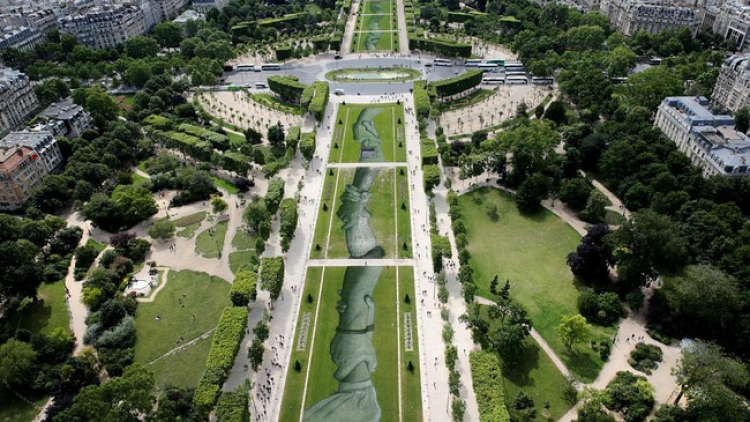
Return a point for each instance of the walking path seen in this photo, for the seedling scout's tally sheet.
(351, 24)
(366, 165)
(403, 37)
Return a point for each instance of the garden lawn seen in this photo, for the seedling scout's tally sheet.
(241, 260)
(139, 180)
(376, 6)
(189, 224)
(242, 240)
(14, 409)
(410, 384)
(385, 42)
(206, 244)
(531, 252)
(469, 100)
(223, 184)
(375, 22)
(386, 123)
(403, 213)
(96, 245)
(244, 251)
(236, 140)
(277, 104)
(44, 315)
(183, 368)
(205, 297)
(323, 224)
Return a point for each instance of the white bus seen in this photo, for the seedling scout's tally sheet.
(488, 67)
(514, 73)
(270, 67)
(514, 68)
(539, 80)
(516, 80)
(493, 80)
(245, 67)
(442, 62)
(472, 62)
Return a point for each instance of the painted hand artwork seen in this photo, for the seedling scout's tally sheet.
(352, 349)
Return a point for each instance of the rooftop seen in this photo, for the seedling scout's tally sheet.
(63, 110)
(727, 148)
(695, 111)
(27, 139)
(190, 15)
(11, 157)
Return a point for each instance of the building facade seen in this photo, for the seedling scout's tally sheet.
(652, 16)
(105, 27)
(710, 141)
(203, 6)
(43, 20)
(25, 160)
(20, 38)
(17, 99)
(733, 23)
(732, 89)
(63, 119)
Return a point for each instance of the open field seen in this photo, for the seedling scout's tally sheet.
(209, 242)
(183, 368)
(320, 382)
(346, 150)
(188, 306)
(530, 251)
(46, 314)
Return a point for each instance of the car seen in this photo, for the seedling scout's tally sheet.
(428, 65)
(338, 92)
(338, 57)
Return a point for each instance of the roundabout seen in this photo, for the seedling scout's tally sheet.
(381, 74)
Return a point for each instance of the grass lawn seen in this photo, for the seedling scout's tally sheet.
(223, 184)
(537, 376)
(386, 123)
(376, 6)
(375, 22)
(469, 100)
(403, 213)
(206, 297)
(235, 140)
(142, 166)
(241, 260)
(530, 251)
(44, 315)
(243, 241)
(410, 384)
(189, 224)
(206, 244)
(385, 209)
(276, 103)
(14, 409)
(330, 198)
(185, 367)
(386, 42)
(96, 245)
(321, 383)
(139, 180)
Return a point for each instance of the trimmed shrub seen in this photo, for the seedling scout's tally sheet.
(421, 99)
(243, 288)
(431, 174)
(319, 100)
(442, 47)
(429, 152)
(288, 216)
(307, 145)
(272, 275)
(488, 387)
(233, 406)
(274, 195)
(457, 85)
(287, 87)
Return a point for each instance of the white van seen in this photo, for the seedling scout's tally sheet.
(338, 92)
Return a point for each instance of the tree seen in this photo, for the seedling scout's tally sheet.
(16, 362)
(630, 394)
(255, 354)
(595, 210)
(573, 329)
(96, 101)
(276, 136)
(141, 47)
(650, 87)
(556, 112)
(138, 73)
(253, 136)
(620, 60)
(531, 192)
(162, 229)
(218, 205)
(515, 327)
(575, 192)
(168, 34)
(742, 119)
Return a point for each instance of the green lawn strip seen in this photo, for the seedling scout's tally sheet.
(321, 383)
(276, 103)
(183, 368)
(469, 100)
(221, 183)
(530, 251)
(235, 139)
(205, 297)
(15, 409)
(382, 220)
(324, 217)
(377, 6)
(295, 381)
(240, 260)
(142, 166)
(403, 213)
(343, 125)
(349, 151)
(209, 246)
(410, 384)
(400, 154)
(385, 42)
(243, 241)
(336, 242)
(49, 312)
(381, 22)
(191, 219)
(96, 245)
(535, 375)
(139, 180)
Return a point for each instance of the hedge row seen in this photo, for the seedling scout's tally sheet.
(274, 195)
(321, 43)
(233, 406)
(457, 85)
(289, 88)
(307, 145)
(292, 137)
(283, 52)
(158, 122)
(290, 20)
(431, 175)
(224, 348)
(429, 152)
(187, 144)
(439, 46)
(421, 99)
(219, 141)
(441, 248)
(319, 100)
(272, 275)
(232, 161)
(459, 229)
(243, 288)
(488, 387)
(288, 216)
(463, 17)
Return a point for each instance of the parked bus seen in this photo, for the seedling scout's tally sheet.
(442, 62)
(514, 72)
(539, 80)
(266, 67)
(515, 80)
(493, 80)
(245, 67)
(514, 68)
(489, 68)
(472, 63)
(499, 62)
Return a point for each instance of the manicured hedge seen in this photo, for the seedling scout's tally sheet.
(243, 288)
(232, 161)
(459, 84)
(288, 216)
(431, 174)
(185, 143)
(287, 87)
(233, 406)
(321, 43)
(274, 195)
(441, 248)
(292, 137)
(158, 122)
(441, 47)
(307, 145)
(283, 53)
(488, 387)
(319, 100)
(463, 17)
(421, 99)
(336, 40)
(429, 152)
(307, 95)
(224, 347)
(286, 21)
(217, 140)
(272, 275)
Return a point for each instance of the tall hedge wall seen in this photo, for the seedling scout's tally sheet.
(243, 288)
(319, 100)
(289, 217)
(272, 275)
(488, 386)
(274, 195)
(233, 406)
(429, 151)
(439, 46)
(289, 88)
(307, 145)
(421, 99)
(459, 84)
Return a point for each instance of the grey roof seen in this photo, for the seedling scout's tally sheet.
(29, 139)
(725, 145)
(694, 110)
(63, 110)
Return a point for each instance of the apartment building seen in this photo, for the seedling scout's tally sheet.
(105, 26)
(17, 99)
(652, 16)
(64, 119)
(20, 38)
(710, 141)
(26, 158)
(203, 6)
(732, 89)
(733, 22)
(43, 20)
